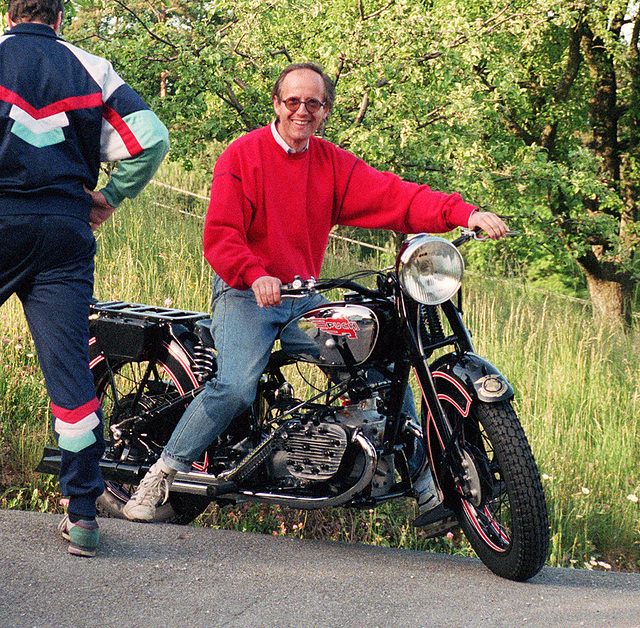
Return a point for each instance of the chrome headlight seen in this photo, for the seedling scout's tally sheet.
(430, 269)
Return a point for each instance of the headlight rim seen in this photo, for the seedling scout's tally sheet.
(409, 249)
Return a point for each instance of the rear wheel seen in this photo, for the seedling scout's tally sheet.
(119, 390)
(500, 499)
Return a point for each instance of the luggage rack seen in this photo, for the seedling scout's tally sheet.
(149, 313)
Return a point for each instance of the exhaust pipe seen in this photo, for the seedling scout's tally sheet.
(199, 483)
(111, 470)
(194, 482)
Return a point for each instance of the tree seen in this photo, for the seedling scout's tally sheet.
(530, 106)
(565, 87)
(176, 55)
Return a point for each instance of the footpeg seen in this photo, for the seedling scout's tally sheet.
(223, 488)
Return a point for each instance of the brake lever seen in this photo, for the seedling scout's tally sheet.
(477, 235)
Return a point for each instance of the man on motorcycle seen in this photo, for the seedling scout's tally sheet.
(276, 194)
(62, 111)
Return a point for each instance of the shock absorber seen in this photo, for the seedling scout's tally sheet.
(433, 323)
(204, 362)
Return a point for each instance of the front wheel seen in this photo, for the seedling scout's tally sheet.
(499, 495)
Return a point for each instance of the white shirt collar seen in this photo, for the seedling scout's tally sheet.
(278, 138)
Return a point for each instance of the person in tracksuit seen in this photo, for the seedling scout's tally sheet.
(63, 112)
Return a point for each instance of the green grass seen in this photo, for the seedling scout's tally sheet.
(577, 391)
(24, 421)
(578, 395)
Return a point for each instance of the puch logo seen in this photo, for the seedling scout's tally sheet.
(336, 326)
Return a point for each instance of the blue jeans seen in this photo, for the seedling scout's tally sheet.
(244, 335)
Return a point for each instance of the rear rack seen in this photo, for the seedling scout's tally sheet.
(147, 313)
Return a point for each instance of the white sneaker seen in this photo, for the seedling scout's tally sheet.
(152, 492)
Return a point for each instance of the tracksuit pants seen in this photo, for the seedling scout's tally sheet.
(48, 262)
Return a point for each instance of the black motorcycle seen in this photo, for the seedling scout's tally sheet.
(348, 440)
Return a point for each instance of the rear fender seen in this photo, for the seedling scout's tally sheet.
(170, 355)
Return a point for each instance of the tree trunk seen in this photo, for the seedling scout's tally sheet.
(610, 300)
(163, 83)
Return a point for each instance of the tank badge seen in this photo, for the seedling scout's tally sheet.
(336, 326)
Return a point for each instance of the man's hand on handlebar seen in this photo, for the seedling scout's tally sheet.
(267, 291)
(490, 223)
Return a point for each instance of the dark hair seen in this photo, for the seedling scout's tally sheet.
(329, 86)
(45, 11)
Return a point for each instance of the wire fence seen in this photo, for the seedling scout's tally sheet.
(335, 236)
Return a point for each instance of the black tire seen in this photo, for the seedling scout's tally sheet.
(508, 527)
(169, 380)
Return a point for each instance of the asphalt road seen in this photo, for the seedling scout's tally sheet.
(163, 576)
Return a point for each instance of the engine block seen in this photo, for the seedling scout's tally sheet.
(313, 452)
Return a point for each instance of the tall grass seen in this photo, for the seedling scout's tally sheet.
(24, 420)
(578, 395)
(150, 252)
(577, 390)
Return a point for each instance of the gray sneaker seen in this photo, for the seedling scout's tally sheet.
(436, 521)
(152, 492)
(426, 492)
(83, 536)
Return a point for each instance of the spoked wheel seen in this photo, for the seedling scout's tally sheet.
(502, 508)
(121, 397)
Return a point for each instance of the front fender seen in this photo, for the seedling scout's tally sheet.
(464, 378)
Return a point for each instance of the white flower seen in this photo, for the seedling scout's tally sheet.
(585, 490)
(633, 498)
(168, 302)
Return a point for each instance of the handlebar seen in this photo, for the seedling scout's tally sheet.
(300, 288)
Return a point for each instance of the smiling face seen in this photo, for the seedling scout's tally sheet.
(296, 127)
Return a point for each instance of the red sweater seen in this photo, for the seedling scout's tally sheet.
(271, 212)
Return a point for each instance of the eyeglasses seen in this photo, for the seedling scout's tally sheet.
(293, 104)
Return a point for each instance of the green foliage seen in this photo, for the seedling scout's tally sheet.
(386, 526)
(503, 103)
(40, 496)
(577, 390)
(24, 420)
